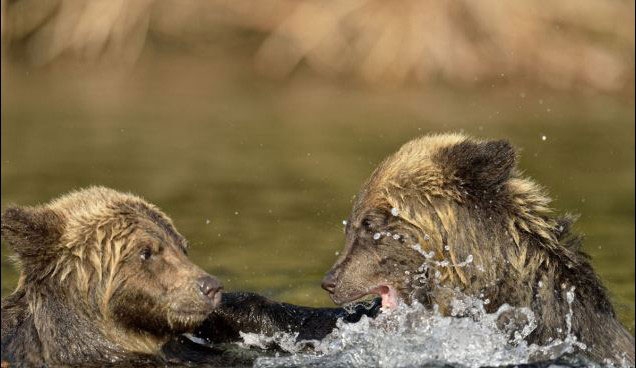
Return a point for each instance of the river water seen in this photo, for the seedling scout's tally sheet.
(259, 176)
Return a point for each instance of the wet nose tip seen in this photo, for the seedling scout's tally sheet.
(209, 285)
(329, 283)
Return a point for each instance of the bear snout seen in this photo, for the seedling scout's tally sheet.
(211, 288)
(329, 283)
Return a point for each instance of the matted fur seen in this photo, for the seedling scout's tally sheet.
(103, 278)
(458, 197)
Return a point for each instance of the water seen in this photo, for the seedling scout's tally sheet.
(413, 336)
(258, 176)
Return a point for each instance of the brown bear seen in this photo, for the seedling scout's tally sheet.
(105, 280)
(450, 216)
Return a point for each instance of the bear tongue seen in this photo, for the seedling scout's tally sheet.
(389, 296)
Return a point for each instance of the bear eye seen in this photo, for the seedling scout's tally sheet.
(145, 253)
(366, 224)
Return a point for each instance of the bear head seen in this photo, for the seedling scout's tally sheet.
(113, 259)
(445, 210)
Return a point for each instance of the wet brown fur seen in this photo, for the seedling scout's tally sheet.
(85, 294)
(457, 196)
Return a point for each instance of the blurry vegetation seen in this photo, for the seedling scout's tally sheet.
(564, 44)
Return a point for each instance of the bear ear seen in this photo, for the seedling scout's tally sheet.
(30, 232)
(481, 166)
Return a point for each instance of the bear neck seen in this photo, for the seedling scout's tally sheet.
(74, 334)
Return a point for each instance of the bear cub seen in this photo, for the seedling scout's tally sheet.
(449, 216)
(104, 278)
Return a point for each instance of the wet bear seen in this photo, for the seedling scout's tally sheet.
(105, 279)
(449, 216)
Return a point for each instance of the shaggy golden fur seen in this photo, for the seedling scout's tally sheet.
(448, 215)
(104, 277)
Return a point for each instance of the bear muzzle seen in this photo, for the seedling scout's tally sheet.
(211, 289)
(329, 283)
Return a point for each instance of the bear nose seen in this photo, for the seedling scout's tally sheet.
(329, 283)
(209, 286)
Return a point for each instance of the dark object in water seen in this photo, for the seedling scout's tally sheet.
(248, 312)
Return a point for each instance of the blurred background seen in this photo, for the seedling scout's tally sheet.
(253, 123)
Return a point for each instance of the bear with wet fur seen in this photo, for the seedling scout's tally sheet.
(448, 216)
(104, 278)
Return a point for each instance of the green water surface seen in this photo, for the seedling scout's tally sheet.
(259, 175)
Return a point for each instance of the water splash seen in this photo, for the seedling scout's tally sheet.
(412, 335)
(285, 341)
(568, 344)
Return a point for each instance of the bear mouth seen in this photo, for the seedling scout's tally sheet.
(198, 310)
(387, 292)
(214, 301)
(185, 319)
(191, 312)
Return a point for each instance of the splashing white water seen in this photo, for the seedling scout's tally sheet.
(285, 341)
(414, 336)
